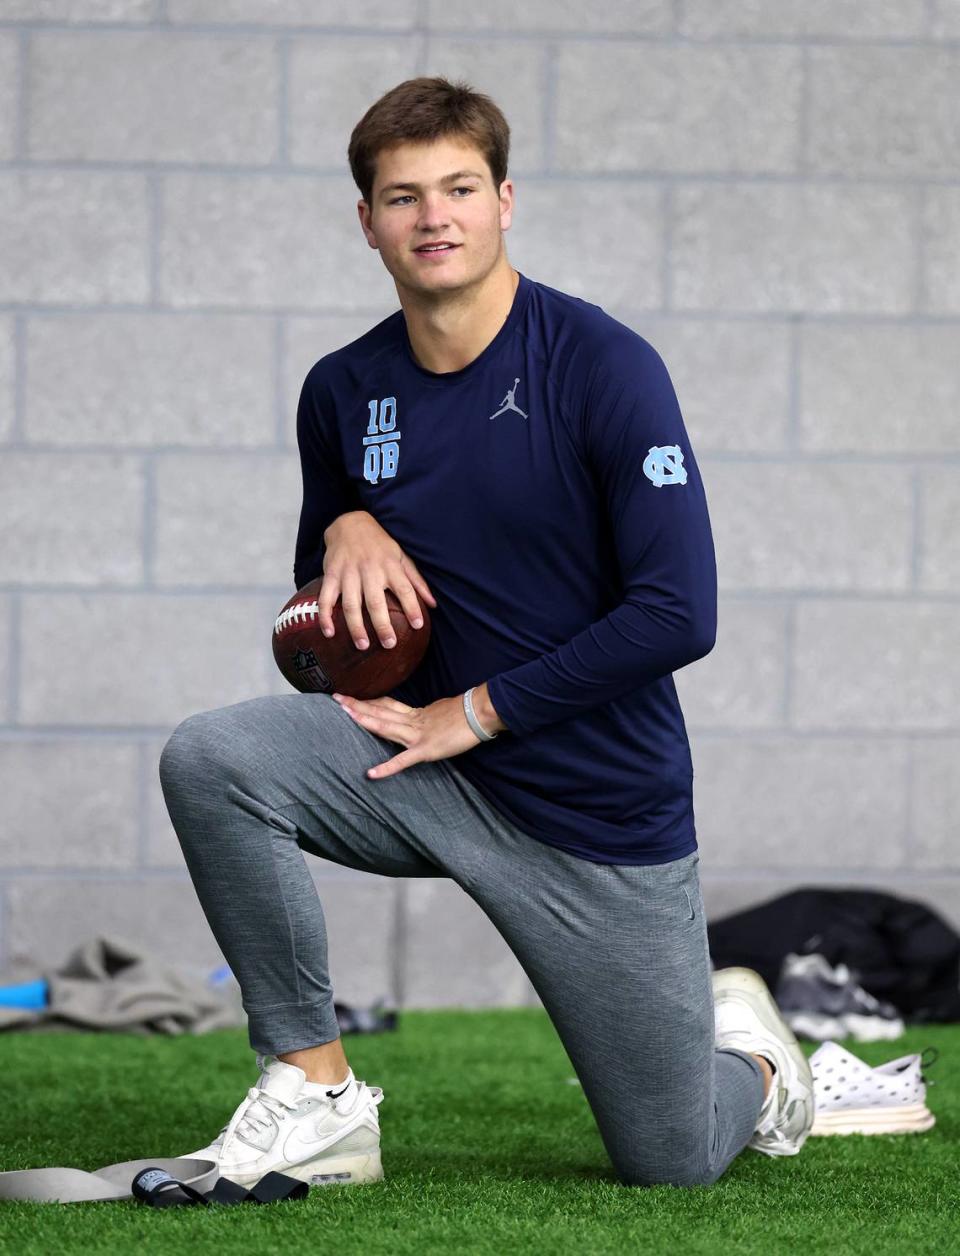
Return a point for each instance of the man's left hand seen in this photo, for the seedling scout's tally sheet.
(437, 731)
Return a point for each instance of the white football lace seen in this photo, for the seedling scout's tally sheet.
(253, 1120)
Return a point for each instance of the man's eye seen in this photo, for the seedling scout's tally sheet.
(397, 199)
(463, 189)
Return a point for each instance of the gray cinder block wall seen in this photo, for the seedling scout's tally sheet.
(768, 192)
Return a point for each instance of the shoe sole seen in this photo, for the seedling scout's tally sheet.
(323, 1171)
(820, 1026)
(908, 1119)
(749, 987)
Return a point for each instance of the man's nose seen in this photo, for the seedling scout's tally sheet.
(434, 211)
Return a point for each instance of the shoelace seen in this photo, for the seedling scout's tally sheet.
(253, 1121)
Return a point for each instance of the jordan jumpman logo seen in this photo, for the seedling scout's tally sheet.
(508, 402)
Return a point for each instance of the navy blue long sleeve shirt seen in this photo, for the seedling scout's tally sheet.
(549, 495)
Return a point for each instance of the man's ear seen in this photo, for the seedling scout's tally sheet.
(363, 211)
(506, 204)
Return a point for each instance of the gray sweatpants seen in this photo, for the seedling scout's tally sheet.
(617, 954)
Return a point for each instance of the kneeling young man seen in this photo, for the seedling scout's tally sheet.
(517, 458)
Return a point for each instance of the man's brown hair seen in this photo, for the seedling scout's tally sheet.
(424, 109)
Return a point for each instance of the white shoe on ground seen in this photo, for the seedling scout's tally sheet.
(321, 1135)
(747, 1018)
(853, 1098)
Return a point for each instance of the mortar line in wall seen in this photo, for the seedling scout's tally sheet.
(421, 28)
(143, 799)
(794, 339)
(283, 105)
(900, 460)
(668, 209)
(149, 520)
(279, 380)
(548, 116)
(23, 98)
(909, 832)
(155, 211)
(269, 30)
(398, 944)
(885, 597)
(917, 518)
(13, 657)
(123, 876)
(29, 733)
(803, 128)
(270, 170)
(18, 426)
(789, 648)
(381, 310)
(920, 294)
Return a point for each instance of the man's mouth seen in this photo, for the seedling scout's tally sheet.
(436, 248)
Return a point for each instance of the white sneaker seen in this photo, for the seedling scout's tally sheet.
(853, 1098)
(321, 1135)
(748, 1019)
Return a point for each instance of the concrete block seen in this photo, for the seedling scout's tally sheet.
(817, 248)
(47, 919)
(561, 236)
(6, 660)
(364, 14)
(841, 526)
(227, 519)
(73, 236)
(71, 519)
(360, 915)
(724, 895)
(940, 531)
(306, 340)
(935, 807)
(185, 98)
(740, 683)
(512, 74)
(151, 379)
(879, 389)
(9, 94)
(77, 10)
(333, 82)
(69, 803)
(884, 111)
(941, 248)
(619, 17)
(812, 803)
(892, 666)
(881, 19)
(732, 379)
(945, 19)
(8, 367)
(455, 955)
(698, 109)
(289, 242)
(148, 659)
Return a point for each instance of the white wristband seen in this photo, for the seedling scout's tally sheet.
(472, 718)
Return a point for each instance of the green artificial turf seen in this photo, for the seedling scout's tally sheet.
(486, 1148)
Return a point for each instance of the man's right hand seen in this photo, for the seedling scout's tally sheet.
(361, 561)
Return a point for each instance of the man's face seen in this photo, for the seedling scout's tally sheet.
(449, 197)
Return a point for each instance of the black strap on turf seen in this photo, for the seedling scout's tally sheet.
(277, 1186)
(227, 1192)
(155, 1187)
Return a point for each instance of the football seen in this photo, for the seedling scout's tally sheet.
(314, 663)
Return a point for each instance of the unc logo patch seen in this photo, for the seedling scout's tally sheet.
(664, 465)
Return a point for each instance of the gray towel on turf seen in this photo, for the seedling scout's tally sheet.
(107, 983)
